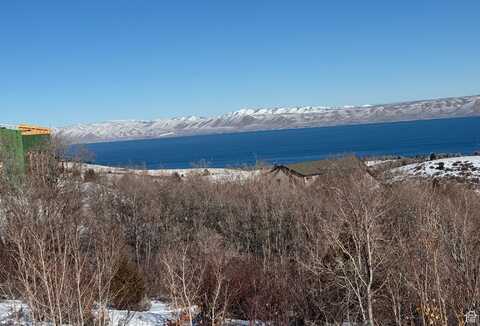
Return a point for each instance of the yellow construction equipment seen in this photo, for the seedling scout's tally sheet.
(28, 130)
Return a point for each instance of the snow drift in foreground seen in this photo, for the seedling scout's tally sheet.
(465, 167)
(13, 312)
(271, 119)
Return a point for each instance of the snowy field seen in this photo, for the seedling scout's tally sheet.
(212, 174)
(159, 314)
(465, 167)
(13, 312)
(377, 162)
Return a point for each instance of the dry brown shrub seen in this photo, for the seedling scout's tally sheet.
(253, 250)
(63, 259)
(90, 175)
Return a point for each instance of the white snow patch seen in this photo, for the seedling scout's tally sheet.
(14, 312)
(376, 162)
(467, 167)
(159, 314)
(212, 174)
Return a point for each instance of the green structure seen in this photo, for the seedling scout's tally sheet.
(12, 155)
(34, 142)
(14, 146)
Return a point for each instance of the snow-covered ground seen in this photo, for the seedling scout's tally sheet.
(377, 162)
(465, 167)
(13, 312)
(159, 314)
(212, 174)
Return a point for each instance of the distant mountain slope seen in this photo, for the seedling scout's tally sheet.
(275, 118)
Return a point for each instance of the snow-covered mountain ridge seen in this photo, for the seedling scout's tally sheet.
(272, 118)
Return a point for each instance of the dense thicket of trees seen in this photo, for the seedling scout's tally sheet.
(341, 249)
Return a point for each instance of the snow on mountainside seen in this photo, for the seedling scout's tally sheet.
(274, 118)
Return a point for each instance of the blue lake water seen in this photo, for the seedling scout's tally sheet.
(460, 135)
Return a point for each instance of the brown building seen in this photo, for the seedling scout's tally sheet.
(307, 172)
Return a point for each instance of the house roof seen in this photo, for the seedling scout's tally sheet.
(324, 167)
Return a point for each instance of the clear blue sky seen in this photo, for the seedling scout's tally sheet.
(63, 62)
